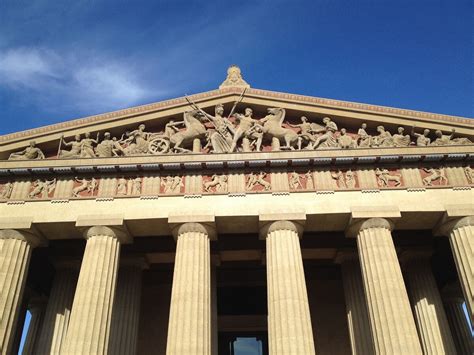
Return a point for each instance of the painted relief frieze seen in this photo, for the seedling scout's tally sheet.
(238, 182)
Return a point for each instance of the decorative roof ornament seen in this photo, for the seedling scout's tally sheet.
(234, 78)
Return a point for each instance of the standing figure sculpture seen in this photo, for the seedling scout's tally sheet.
(295, 181)
(345, 141)
(105, 149)
(339, 177)
(350, 179)
(29, 153)
(247, 131)
(87, 146)
(6, 190)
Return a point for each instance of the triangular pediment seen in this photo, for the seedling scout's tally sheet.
(155, 116)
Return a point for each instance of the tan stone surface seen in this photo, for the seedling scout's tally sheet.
(189, 329)
(430, 317)
(89, 325)
(289, 319)
(15, 253)
(356, 305)
(58, 310)
(36, 310)
(391, 320)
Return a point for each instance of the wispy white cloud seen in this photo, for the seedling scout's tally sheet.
(67, 80)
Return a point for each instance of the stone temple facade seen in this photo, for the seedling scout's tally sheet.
(239, 218)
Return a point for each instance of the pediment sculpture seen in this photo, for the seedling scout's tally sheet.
(202, 132)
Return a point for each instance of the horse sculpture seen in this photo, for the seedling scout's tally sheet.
(272, 127)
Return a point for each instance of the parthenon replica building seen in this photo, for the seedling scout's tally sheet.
(237, 219)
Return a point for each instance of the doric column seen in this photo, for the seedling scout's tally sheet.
(461, 238)
(356, 305)
(215, 261)
(36, 308)
(189, 328)
(289, 320)
(391, 320)
(89, 326)
(58, 309)
(126, 312)
(15, 253)
(453, 301)
(430, 317)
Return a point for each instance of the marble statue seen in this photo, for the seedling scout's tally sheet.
(273, 128)
(221, 139)
(136, 188)
(364, 139)
(448, 139)
(76, 146)
(87, 146)
(89, 185)
(384, 177)
(29, 153)
(295, 181)
(136, 141)
(6, 190)
(422, 140)
(218, 182)
(309, 180)
(328, 138)
(234, 78)
(383, 139)
(105, 149)
(43, 188)
(306, 132)
(345, 141)
(400, 139)
(258, 179)
(247, 131)
(435, 174)
(340, 180)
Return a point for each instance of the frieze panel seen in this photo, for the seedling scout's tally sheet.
(260, 181)
(201, 132)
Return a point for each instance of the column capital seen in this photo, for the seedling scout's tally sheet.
(353, 229)
(108, 225)
(291, 221)
(33, 238)
(452, 292)
(139, 261)
(61, 263)
(346, 255)
(415, 256)
(201, 223)
(446, 226)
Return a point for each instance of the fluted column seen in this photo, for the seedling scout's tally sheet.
(391, 320)
(58, 310)
(461, 238)
(430, 317)
(126, 312)
(289, 320)
(15, 253)
(36, 308)
(89, 325)
(189, 328)
(215, 261)
(356, 305)
(453, 301)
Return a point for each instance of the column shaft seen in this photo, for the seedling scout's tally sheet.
(15, 252)
(126, 312)
(391, 320)
(459, 327)
(356, 308)
(214, 316)
(89, 325)
(462, 245)
(36, 310)
(189, 329)
(289, 320)
(58, 311)
(431, 320)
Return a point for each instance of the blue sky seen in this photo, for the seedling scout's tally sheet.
(65, 59)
